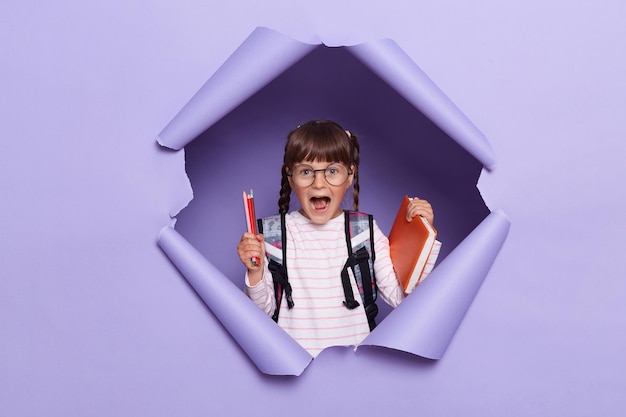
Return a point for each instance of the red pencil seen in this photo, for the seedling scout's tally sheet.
(248, 205)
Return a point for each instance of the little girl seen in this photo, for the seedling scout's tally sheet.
(320, 164)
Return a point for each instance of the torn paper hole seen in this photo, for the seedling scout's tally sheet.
(414, 140)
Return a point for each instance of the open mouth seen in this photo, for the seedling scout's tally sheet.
(320, 203)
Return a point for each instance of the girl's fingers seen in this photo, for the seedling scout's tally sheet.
(419, 207)
(251, 246)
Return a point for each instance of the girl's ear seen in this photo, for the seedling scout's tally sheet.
(287, 172)
(351, 177)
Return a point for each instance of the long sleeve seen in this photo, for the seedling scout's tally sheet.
(262, 294)
(432, 259)
(386, 279)
(388, 287)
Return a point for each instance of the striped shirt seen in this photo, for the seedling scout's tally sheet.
(316, 255)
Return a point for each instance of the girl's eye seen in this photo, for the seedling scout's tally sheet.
(306, 172)
(332, 171)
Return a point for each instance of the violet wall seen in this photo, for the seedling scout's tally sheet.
(94, 319)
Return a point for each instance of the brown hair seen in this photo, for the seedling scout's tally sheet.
(319, 140)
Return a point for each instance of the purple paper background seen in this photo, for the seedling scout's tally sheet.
(96, 321)
(402, 152)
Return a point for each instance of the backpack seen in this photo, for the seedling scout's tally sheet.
(359, 232)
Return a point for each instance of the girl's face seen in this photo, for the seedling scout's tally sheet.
(321, 200)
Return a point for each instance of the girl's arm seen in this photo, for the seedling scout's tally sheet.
(388, 287)
(262, 293)
(259, 286)
(252, 247)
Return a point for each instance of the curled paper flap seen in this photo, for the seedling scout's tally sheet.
(263, 56)
(393, 65)
(425, 322)
(272, 350)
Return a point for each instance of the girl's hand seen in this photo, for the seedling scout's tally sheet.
(252, 246)
(418, 207)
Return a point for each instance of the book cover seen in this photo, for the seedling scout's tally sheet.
(411, 244)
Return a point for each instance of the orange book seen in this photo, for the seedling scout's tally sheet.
(411, 244)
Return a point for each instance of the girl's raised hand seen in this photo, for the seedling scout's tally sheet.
(252, 246)
(419, 207)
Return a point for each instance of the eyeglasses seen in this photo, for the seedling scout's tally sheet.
(304, 175)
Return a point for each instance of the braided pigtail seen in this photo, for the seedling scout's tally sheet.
(285, 193)
(355, 148)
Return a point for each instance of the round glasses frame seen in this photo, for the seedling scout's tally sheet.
(303, 175)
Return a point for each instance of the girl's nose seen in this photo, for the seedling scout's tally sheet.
(319, 180)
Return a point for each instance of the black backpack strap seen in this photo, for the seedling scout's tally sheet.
(366, 276)
(350, 302)
(368, 280)
(279, 270)
(360, 259)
